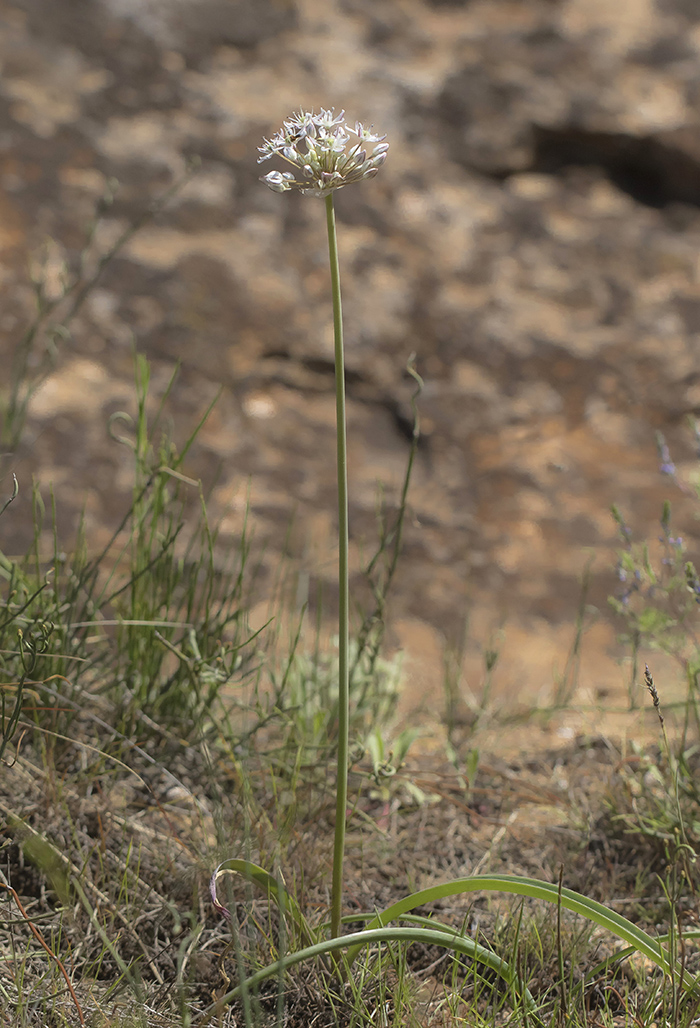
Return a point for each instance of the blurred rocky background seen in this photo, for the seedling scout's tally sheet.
(534, 238)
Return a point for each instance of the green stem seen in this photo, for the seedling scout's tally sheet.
(344, 590)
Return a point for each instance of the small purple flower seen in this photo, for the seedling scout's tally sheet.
(676, 544)
(666, 465)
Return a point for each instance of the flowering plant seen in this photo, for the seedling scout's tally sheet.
(318, 146)
(321, 147)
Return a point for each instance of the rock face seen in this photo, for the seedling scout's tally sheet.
(198, 26)
(533, 238)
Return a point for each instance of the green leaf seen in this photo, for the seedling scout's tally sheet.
(440, 936)
(536, 889)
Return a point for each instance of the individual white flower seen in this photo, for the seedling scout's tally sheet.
(322, 150)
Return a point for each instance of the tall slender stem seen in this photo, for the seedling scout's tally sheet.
(344, 597)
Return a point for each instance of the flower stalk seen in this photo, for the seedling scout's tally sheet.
(343, 580)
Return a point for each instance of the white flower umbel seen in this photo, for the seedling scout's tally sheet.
(326, 153)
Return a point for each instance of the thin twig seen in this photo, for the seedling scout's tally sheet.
(38, 936)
